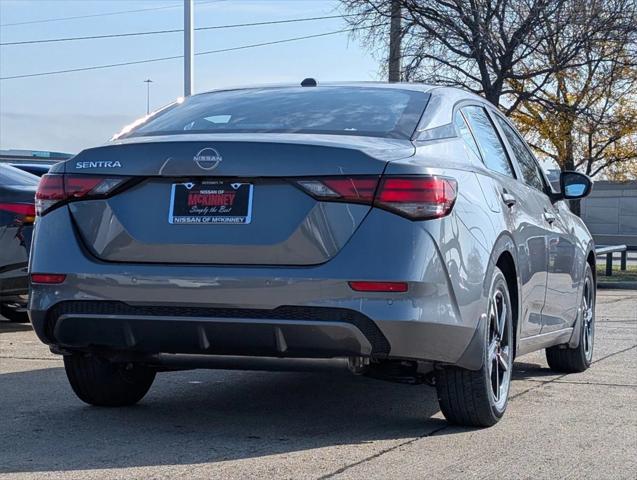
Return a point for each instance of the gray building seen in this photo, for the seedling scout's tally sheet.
(610, 213)
(32, 156)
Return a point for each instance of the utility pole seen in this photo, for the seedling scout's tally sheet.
(395, 37)
(189, 47)
(148, 81)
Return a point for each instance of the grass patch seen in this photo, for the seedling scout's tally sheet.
(628, 275)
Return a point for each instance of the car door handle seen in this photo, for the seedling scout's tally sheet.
(549, 217)
(508, 199)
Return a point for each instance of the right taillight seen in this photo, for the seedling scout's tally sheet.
(341, 189)
(417, 197)
(55, 189)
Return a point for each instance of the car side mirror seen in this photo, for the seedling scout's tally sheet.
(575, 185)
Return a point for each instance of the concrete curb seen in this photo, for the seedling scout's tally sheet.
(618, 285)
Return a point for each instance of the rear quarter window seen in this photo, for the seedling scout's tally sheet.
(493, 152)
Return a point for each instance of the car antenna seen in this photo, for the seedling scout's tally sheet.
(309, 82)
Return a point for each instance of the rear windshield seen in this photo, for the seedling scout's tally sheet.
(379, 112)
(13, 176)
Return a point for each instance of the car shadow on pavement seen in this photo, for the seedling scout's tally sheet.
(523, 371)
(202, 416)
(6, 326)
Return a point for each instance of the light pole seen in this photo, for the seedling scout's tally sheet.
(148, 81)
(189, 46)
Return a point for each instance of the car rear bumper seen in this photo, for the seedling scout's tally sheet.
(305, 332)
(281, 311)
(289, 331)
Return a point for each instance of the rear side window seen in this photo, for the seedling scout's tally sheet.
(381, 112)
(466, 134)
(529, 167)
(493, 153)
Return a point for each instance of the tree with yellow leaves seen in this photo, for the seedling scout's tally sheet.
(585, 117)
(564, 70)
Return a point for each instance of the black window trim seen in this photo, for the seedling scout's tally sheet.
(458, 112)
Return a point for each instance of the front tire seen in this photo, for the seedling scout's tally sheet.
(479, 398)
(574, 360)
(99, 382)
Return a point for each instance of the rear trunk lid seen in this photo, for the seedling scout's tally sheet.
(273, 222)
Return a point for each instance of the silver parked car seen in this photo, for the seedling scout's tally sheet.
(404, 229)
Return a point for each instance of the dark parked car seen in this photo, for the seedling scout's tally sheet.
(17, 213)
(38, 169)
(406, 228)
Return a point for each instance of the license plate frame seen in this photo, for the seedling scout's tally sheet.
(215, 202)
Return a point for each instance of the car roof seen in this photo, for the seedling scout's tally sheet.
(418, 87)
(438, 113)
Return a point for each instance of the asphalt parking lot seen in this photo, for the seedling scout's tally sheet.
(219, 424)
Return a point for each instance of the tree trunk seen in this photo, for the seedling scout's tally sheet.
(569, 164)
(395, 36)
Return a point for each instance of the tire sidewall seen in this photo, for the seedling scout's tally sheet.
(13, 316)
(588, 273)
(498, 281)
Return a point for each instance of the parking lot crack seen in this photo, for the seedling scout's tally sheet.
(541, 383)
(601, 384)
(56, 359)
(381, 453)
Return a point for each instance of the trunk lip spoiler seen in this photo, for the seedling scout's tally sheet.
(381, 148)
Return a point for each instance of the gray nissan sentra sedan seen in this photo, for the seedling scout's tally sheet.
(403, 230)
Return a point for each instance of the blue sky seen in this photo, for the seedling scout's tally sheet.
(73, 111)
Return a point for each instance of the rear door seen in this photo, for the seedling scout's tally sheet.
(559, 308)
(522, 211)
(228, 199)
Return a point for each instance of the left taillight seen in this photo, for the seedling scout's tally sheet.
(54, 189)
(24, 212)
(417, 197)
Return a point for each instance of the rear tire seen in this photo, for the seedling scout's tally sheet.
(97, 381)
(13, 315)
(574, 360)
(479, 398)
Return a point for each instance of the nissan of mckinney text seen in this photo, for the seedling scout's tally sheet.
(404, 231)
